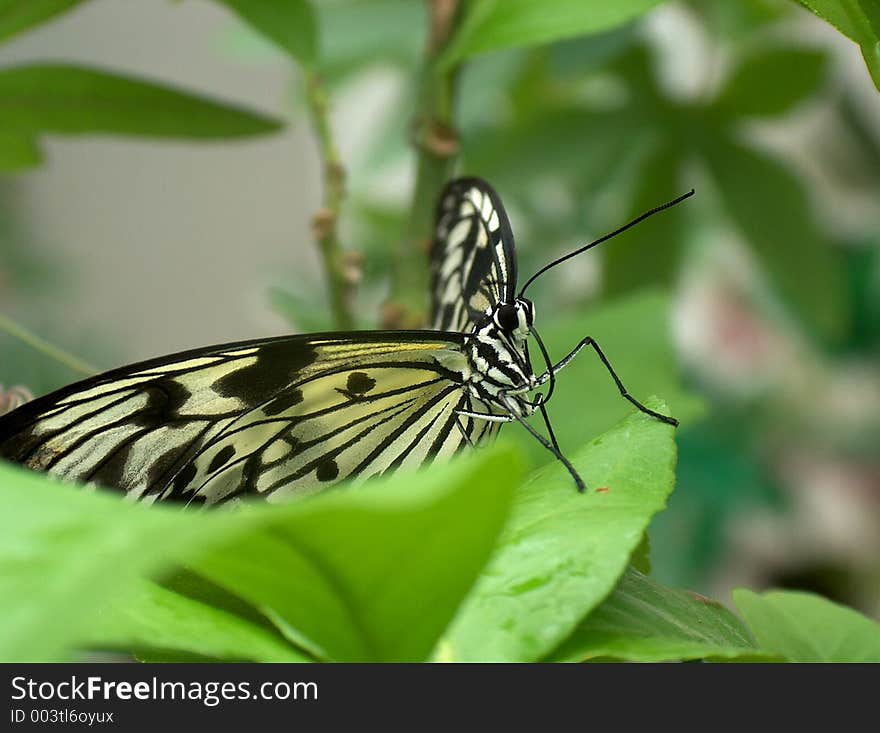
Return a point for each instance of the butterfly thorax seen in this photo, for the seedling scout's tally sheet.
(497, 355)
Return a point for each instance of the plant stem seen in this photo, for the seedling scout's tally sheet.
(436, 143)
(44, 347)
(340, 271)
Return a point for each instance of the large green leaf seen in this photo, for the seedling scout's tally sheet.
(771, 82)
(643, 621)
(489, 25)
(374, 574)
(802, 627)
(18, 152)
(563, 551)
(75, 100)
(289, 23)
(370, 573)
(769, 205)
(17, 16)
(859, 20)
(64, 554)
(151, 617)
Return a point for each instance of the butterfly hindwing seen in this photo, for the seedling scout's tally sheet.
(473, 263)
(264, 418)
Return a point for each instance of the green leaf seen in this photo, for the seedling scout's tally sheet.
(771, 82)
(859, 20)
(643, 621)
(802, 627)
(289, 23)
(490, 25)
(76, 100)
(63, 549)
(836, 13)
(20, 15)
(370, 573)
(649, 255)
(373, 574)
(151, 617)
(563, 551)
(18, 152)
(768, 204)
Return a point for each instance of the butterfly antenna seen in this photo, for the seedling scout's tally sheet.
(620, 230)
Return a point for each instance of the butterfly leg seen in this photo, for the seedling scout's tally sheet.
(546, 417)
(464, 434)
(488, 416)
(589, 341)
(559, 366)
(552, 447)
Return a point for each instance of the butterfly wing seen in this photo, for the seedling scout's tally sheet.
(473, 263)
(263, 418)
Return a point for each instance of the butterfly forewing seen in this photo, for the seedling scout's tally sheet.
(473, 264)
(276, 417)
(266, 418)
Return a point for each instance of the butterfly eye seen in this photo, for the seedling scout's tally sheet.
(507, 317)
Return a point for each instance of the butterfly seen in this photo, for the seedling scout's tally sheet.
(277, 417)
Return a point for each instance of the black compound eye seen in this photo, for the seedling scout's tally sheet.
(507, 317)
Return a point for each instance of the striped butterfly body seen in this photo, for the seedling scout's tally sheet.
(275, 417)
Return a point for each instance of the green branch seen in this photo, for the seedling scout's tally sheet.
(341, 271)
(436, 143)
(44, 347)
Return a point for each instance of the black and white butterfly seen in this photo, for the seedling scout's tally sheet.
(275, 417)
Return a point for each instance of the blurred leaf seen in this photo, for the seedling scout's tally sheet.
(863, 276)
(373, 574)
(859, 20)
(643, 621)
(736, 21)
(490, 25)
(307, 313)
(771, 209)
(289, 23)
(865, 138)
(579, 56)
(802, 627)
(720, 478)
(649, 255)
(20, 15)
(359, 33)
(554, 141)
(18, 152)
(563, 551)
(74, 99)
(373, 226)
(152, 617)
(771, 82)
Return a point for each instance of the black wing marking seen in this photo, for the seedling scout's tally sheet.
(263, 418)
(473, 263)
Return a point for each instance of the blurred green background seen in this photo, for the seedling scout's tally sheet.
(754, 308)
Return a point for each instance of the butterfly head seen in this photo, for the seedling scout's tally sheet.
(515, 319)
